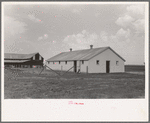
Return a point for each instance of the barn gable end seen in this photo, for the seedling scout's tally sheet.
(116, 63)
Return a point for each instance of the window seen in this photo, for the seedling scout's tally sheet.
(66, 62)
(59, 62)
(33, 57)
(82, 62)
(53, 62)
(40, 58)
(48, 62)
(117, 63)
(97, 62)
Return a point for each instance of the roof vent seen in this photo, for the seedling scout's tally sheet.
(70, 49)
(91, 46)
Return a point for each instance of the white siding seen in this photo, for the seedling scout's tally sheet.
(107, 55)
(84, 66)
(78, 65)
(61, 66)
(64, 67)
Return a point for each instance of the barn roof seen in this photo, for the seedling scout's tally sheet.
(85, 55)
(18, 56)
(15, 61)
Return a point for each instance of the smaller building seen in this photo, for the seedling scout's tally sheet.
(23, 60)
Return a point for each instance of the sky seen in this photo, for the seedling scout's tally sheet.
(52, 28)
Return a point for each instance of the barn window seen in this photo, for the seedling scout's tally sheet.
(59, 62)
(82, 62)
(40, 58)
(117, 63)
(97, 62)
(33, 57)
(66, 62)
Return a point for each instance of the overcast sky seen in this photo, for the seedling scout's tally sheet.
(53, 28)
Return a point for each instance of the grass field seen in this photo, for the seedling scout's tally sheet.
(134, 68)
(27, 83)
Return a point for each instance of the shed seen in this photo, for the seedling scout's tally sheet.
(93, 60)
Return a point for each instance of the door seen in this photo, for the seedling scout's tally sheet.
(75, 66)
(107, 66)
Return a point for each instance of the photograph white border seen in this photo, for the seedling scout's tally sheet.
(61, 110)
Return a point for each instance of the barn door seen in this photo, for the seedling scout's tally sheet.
(75, 66)
(107, 66)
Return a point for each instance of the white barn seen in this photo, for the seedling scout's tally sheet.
(93, 60)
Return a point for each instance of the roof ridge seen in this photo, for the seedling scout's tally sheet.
(21, 53)
(85, 49)
(85, 54)
(19, 56)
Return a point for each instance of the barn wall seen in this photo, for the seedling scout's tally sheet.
(62, 66)
(67, 66)
(84, 68)
(107, 55)
(39, 57)
(78, 65)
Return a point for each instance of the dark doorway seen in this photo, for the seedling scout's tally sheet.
(86, 69)
(107, 66)
(75, 66)
(37, 57)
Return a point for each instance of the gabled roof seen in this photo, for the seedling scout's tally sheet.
(15, 61)
(18, 56)
(85, 55)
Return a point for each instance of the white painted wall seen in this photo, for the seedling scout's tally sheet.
(78, 65)
(62, 66)
(107, 55)
(84, 66)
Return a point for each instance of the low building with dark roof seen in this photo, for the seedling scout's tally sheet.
(23, 60)
(93, 60)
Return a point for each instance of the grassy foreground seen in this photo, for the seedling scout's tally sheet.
(27, 83)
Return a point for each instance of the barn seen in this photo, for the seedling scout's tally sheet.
(23, 60)
(92, 60)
